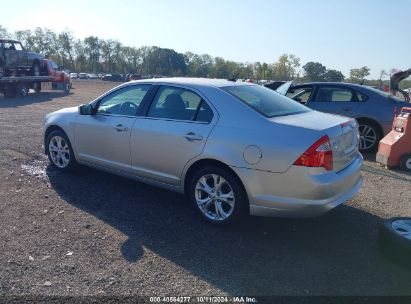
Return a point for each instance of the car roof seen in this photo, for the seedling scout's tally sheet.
(329, 83)
(8, 40)
(209, 82)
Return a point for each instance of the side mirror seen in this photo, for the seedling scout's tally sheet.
(85, 109)
(61, 68)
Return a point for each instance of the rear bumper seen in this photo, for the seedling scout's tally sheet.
(301, 191)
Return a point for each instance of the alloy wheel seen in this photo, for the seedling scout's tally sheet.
(59, 151)
(368, 137)
(215, 197)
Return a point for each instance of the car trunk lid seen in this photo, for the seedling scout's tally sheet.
(341, 131)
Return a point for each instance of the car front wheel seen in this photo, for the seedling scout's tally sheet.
(218, 196)
(59, 151)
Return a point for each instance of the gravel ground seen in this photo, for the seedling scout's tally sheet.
(92, 233)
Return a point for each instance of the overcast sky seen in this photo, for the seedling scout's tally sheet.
(341, 34)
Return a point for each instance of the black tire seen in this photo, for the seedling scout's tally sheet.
(23, 90)
(405, 162)
(36, 69)
(393, 245)
(368, 126)
(72, 164)
(241, 206)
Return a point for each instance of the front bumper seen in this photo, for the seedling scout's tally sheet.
(301, 191)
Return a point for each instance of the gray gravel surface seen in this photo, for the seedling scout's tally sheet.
(93, 233)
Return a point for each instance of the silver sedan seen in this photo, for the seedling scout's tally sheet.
(233, 148)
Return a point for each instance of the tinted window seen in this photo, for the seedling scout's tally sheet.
(125, 101)
(265, 101)
(180, 104)
(326, 94)
(205, 114)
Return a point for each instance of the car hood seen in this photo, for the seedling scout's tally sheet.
(33, 55)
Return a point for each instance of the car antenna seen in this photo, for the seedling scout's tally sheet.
(233, 79)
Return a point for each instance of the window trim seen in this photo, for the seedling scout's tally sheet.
(98, 101)
(354, 96)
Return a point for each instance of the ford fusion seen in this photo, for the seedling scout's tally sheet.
(233, 148)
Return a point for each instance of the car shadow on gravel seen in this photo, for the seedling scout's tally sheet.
(6, 102)
(334, 254)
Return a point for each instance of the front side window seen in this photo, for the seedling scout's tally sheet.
(300, 94)
(327, 94)
(266, 101)
(125, 101)
(179, 104)
(8, 46)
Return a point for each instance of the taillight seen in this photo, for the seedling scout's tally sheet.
(319, 154)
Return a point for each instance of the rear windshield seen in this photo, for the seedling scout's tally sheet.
(266, 101)
(384, 94)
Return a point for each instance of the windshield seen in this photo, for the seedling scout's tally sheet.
(266, 101)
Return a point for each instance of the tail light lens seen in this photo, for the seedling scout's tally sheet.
(318, 155)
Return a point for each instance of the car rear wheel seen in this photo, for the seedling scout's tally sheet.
(369, 136)
(59, 151)
(218, 196)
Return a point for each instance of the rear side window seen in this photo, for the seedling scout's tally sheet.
(179, 104)
(266, 101)
(327, 94)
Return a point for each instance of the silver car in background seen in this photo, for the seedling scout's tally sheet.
(233, 148)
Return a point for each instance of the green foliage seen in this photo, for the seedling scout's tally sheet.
(333, 76)
(314, 71)
(93, 54)
(357, 75)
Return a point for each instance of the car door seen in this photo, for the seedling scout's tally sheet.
(340, 100)
(22, 57)
(10, 55)
(103, 138)
(174, 130)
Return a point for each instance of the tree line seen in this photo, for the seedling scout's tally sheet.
(95, 55)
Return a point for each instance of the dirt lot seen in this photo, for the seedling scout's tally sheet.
(92, 233)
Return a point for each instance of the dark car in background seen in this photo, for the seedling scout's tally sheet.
(112, 77)
(373, 109)
(273, 85)
(15, 58)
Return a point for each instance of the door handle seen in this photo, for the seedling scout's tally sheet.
(120, 128)
(192, 136)
(347, 109)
